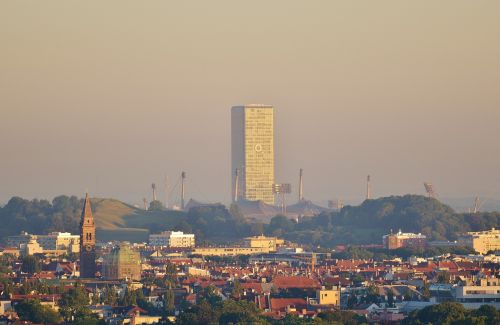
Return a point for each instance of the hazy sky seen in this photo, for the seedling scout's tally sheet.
(111, 96)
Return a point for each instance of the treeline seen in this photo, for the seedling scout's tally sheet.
(40, 216)
(363, 224)
(368, 222)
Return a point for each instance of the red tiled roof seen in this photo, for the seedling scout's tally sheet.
(280, 304)
(285, 282)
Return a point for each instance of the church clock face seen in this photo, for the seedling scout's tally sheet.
(258, 147)
(88, 248)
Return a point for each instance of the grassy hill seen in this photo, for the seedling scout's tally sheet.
(116, 220)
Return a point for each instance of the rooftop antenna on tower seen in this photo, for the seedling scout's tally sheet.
(183, 191)
(236, 185)
(153, 186)
(368, 188)
(301, 185)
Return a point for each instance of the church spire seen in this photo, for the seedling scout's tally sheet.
(87, 241)
(87, 209)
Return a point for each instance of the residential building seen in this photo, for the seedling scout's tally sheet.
(18, 240)
(401, 239)
(487, 292)
(328, 296)
(56, 243)
(60, 241)
(229, 251)
(263, 242)
(252, 150)
(172, 239)
(482, 241)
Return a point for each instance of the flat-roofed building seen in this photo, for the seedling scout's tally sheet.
(402, 239)
(54, 241)
(252, 152)
(22, 239)
(482, 241)
(172, 239)
(229, 251)
(270, 243)
(487, 292)
(60, 241)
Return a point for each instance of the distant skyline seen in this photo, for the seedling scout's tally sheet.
(112, 97)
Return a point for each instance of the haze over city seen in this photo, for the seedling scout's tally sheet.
(111, 100)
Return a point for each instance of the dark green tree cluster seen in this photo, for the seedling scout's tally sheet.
(215, 222)
(33, 311)
(156, 206)
(40, 216)
(373, 218)
(449, 313)
(31, 264)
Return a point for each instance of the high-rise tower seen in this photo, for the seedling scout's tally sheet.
(252, 150)
(87, 241)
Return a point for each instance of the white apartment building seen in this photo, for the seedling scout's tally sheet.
(487, 292)
(59, 241)
(172, 239)
(51, 242)
(482, 241)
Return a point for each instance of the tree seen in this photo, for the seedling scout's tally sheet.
(156, 206)
(390, 298)
(341, 317)
(236, 292)
(169, 302)
(445, 313)
(239, 312)
(110, 296)
(30, 264)
(74, 304)
(32, 310)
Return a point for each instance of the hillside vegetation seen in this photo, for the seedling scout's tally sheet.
(361, 224)
(368, 222)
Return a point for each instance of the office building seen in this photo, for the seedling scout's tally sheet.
(482, 241)
(252, 150)
(172, 239)
(55, 242)
(270, 243)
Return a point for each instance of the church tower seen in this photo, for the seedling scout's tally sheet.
(87, 241)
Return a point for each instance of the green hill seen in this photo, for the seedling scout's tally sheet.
(116, 220)
(368, 222)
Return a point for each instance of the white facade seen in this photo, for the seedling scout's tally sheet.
(172, 239)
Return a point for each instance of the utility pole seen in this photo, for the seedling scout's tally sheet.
(153, 186)
(301, 186)
(236, 185)
(166, 192)
(183, 192)
(368, 188)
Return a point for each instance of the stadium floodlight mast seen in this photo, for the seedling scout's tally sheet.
(282, 189)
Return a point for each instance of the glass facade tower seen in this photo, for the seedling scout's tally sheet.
(252, 149)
